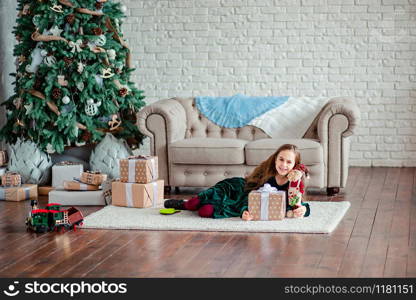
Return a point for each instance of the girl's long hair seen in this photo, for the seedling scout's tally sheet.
(267, 168)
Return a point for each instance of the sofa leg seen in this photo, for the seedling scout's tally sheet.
(177, 190)
(331, 191)
(168, 189)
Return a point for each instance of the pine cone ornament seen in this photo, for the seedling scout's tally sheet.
(70, 19)
(122, 92)
(97, 31)
(68, 61)
(56, 93)
(86, 136)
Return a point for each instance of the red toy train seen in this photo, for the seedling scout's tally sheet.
(53, 218)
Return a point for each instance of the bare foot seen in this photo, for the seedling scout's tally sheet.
(247, 216)
(299, 212)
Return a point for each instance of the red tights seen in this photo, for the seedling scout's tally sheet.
(205, 211)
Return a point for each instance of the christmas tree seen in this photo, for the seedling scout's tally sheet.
(72, 82)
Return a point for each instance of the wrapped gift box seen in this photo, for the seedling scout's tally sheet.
(139, 169)
(93, 177)
(65, 171)
(19, 193)
(11, 179)
(79, 186)
(70, 198)
(3, 158)
(267, 205)
(137, 194)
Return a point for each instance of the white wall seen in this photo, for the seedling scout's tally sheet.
(364, 49)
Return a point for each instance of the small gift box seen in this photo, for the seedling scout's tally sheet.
(65, 170)
(79, 186)
(19, 193)
(93, 177)
(267, 203)
(139, 169)
(137, 194)
(11, 179)
(3, 158)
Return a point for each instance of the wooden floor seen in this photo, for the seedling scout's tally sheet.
(376, 238)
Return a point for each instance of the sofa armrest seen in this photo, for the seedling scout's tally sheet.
(164, 122)
(336, 122)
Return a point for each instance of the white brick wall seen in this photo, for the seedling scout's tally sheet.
(365, 49)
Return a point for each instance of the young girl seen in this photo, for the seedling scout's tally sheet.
(229, 197)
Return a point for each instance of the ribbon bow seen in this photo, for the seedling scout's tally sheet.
(75, 46)
(267, 188)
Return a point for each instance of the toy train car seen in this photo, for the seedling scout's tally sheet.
(53, 218)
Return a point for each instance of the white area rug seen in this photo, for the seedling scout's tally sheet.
(324, 217)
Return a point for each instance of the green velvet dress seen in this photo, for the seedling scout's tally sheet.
(230, 198)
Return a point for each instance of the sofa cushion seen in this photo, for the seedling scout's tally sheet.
(257, 151)
(202, 151)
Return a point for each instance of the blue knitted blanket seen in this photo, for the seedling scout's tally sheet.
(238, 110)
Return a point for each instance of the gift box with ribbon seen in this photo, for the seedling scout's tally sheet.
(3, 158)
(267, 203)
(11, 179)
(139, 169)
(137, 194)
(65, 170)
(93, 177)
(76, 198)
(72, 185)
(19, 193)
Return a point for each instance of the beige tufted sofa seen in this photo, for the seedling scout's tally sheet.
(194, 152)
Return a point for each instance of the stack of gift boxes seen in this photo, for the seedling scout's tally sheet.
(139, 185)
(12, 188)
(74, 186)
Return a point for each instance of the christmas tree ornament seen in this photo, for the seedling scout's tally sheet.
(99, 80)
(111, 54)
(100, 40)
(114, 123)
(17, 102)
(68, 61)
(70, 19)
(36, 60)
(56, 93)
(50, 149)
(36, 20)
(29, 108)
(49, 60)
(62, 81)
(66, 100)
(97, 31)
(106, 155)
(91, 109)
(57, 8)
(80, 86)
(123, 8)
(43, 52)
(26, 10)
(30, 162)
(80, 67)
(123, 92)
(106, 73)
(75, 46)
(55, 31)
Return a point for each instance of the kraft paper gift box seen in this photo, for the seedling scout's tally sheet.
(65, 171)
(93, 177)
(139, 169)
(11, 179)
(19, 193)
(79, 186)
(3, 158)
(137, 194)
(267, 204)
(76, 198)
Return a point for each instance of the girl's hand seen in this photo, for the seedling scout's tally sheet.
(247, 216)
(299, 212)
